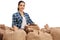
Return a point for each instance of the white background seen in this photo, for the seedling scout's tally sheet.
(41, 11)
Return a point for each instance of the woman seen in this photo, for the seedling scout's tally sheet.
(20, 18)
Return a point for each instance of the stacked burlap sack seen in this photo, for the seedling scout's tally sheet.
(30, 32)
(2, 30)
(54, 31)
(8, 33)
(34, 33)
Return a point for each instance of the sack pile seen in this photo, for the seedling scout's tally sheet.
(30, 32)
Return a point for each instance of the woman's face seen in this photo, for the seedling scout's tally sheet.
(21, 6)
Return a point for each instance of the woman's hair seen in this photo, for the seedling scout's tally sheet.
(19, 3)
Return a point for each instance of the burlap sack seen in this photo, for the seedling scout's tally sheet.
(31, 27)
(1, 33)
(45, 36)
(15, 35)
(1, 36)
(2, 26)
(39, 36)
(33, 36)
(55, 32)
(2, 30)
(45, 30)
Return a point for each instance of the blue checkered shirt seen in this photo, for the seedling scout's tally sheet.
(17, 19)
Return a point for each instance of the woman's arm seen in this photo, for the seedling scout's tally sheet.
(29, 20)
(14, 20)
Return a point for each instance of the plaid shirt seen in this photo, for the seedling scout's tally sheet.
(17, 19)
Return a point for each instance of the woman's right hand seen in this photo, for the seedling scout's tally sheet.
(15, 28)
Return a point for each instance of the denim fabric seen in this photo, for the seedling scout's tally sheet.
(17, 19)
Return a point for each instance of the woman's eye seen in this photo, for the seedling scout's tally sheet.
(22, 5)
